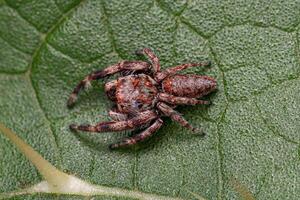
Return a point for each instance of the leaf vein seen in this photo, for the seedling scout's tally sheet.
(110, 30)
(29, 72)
(221, 172)
(14, 46)
(48, 123)
(222, 71)
(63, 53)
(276, 133)
(24, 18)
(272, 85)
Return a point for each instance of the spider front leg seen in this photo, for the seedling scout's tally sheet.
(139, 137)
(171, 99)
(124, 65)
(112, 126)
(175, 116)
(152, 57)
(173, 70)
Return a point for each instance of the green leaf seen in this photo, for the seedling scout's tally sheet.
(252, 127)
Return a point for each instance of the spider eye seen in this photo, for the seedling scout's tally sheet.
(138, 104)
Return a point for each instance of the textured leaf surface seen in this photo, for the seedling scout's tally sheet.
(252, 128)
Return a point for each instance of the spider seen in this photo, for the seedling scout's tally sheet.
(143, 94)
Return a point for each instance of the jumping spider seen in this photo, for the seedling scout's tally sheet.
(143, 94)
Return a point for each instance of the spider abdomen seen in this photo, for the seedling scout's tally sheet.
(135, 93)
(193, 86)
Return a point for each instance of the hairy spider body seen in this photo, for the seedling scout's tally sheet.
(193, 86)
(146, 95)
(135, 93)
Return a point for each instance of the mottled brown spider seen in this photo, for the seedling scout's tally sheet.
(145, 95)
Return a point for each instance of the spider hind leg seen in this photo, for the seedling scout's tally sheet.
(113, 126)
(117, 116)
(177, 117)
(138, 137)
(174, 100)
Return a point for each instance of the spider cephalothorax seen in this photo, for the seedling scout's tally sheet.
(146, 95)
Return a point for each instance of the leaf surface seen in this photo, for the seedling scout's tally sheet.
(47, 47)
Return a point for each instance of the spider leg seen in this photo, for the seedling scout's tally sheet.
(168, 98)
(139, 137)
(173, 70)
(117, 116)
(124, 65)
(142, 118)
(176, 116)
(152, 57)
(110, 89)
